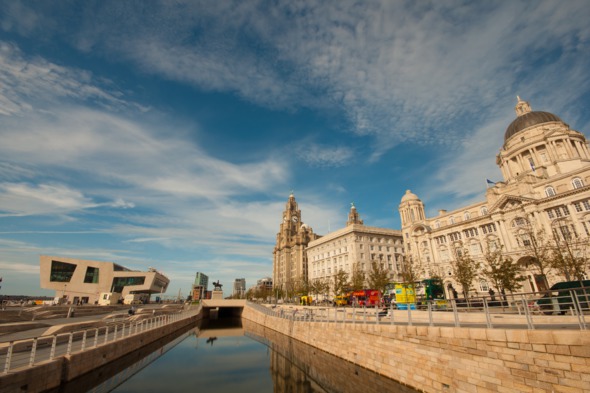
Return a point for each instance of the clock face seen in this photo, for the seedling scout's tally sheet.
(294, 219)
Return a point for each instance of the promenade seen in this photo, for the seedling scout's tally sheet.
(40, 355)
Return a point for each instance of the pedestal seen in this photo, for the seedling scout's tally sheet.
(216, 295)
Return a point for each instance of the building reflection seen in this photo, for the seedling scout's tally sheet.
(299, 368)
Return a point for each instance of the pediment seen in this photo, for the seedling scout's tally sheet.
(509, 202)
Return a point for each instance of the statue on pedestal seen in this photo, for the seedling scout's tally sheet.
(217, 285)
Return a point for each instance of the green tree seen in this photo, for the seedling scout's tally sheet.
(511, 278)
(377, 277)
(501, 271)
(357, 280)
(340, 282)
(465, 269)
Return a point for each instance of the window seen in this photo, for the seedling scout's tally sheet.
(91, 276)
(470, 232)
(455, 236)
(483, 210)
(61, 271)
(557, 212)
(484, 286)
(519, 222)
(120, 282)
(466, 216)
(437, 224)
(577, 182)
(488, 228)
(440, 240)
(549, 191)
(474, 249)
(452, 220)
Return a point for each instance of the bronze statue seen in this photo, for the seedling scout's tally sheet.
(217, 285)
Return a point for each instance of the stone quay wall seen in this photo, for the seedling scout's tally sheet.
(51, 374)
(449, 359)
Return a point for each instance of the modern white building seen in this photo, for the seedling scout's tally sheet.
(82, 281)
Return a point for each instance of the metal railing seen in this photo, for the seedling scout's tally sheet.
(18, 354)
(566, 309)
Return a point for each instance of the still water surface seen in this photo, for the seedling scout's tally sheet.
(231, 357)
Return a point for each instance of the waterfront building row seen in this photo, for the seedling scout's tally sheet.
(544, 196)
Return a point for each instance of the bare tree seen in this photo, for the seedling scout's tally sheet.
(538, 247)
(411, 271)
(569, 254)
(465, 269)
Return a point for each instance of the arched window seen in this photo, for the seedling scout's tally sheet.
(437, 224)
(483, 285)
(466, 216)
(483, 210)
(549, 191)
(452, 220)
(577, 182)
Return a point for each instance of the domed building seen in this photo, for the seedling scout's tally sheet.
(545, 167)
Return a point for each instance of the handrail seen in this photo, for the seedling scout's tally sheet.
(568, 309)
(25, 353)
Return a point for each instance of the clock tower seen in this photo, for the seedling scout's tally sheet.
(289, 257)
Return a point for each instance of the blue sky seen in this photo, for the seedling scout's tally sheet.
(170, 134)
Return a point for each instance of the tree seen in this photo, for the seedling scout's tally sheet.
(465, 269)
(378, 277)
(357, 281)
(501, 271)
(538, 246)
(568, 255)
(410, 271)
(340, 282)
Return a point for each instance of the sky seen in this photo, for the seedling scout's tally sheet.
(169, 134)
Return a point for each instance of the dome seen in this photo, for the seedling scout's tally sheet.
(528, 120)
(409, 196)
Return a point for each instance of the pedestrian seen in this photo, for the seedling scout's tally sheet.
(492, 294)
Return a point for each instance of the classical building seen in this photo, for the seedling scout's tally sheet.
(78, 280)
(545, 189)
(289, 258)
(355, 244)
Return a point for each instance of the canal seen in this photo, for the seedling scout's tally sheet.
(233, 355)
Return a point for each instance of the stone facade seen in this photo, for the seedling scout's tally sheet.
(545, 190)
(289, 258)
(355, 244)
(449, 359)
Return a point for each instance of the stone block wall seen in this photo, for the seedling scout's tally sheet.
(448, 359)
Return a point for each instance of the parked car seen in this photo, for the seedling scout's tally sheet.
(559, 299)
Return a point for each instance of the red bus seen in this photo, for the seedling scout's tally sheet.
(366, 297)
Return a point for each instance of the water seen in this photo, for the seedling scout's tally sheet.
(231, 357)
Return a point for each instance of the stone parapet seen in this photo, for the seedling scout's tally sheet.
(449, 359)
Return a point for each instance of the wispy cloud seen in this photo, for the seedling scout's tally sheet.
(325, 156)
